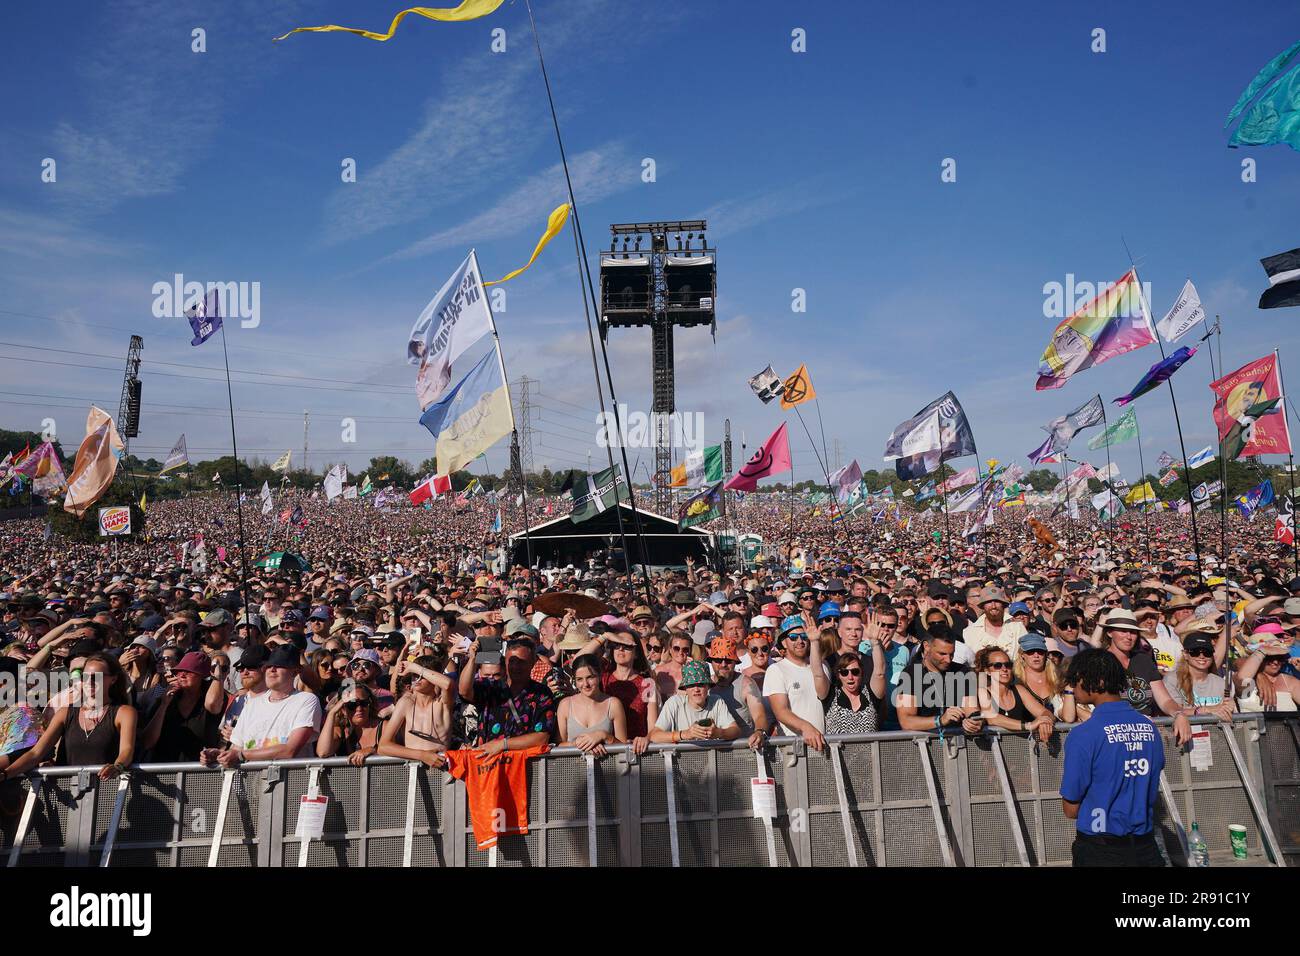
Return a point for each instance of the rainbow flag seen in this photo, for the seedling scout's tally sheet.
(1112, 323)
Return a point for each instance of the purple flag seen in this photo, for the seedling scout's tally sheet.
(1045, 450)
(205, 317)
(1157, 374)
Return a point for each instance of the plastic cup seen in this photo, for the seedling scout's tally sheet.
(1237, 834)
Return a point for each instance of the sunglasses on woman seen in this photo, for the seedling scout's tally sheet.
(1200, 652)
(759, 648)
(679, 650)
(999, 665)
(656, 647)
(850, 672)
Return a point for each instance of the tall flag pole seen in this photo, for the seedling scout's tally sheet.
(1110, 511)
(1182, 445)
(1290, 459)
(1146, 517)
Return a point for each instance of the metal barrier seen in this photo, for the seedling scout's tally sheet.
(888, 799)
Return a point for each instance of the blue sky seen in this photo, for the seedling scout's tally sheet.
(816, 170)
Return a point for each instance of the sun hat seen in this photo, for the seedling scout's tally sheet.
(694, 674)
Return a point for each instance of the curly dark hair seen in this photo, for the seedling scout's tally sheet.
(1097, 672)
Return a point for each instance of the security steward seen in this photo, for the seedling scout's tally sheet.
(1112, 769)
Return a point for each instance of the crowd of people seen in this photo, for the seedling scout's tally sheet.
(411, 637)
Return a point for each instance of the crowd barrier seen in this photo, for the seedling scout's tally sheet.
(888, 799)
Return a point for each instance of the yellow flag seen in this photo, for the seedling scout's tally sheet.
(559, 216)
(798, 389)
(678, 476)
(468, 10)
(1143, 492)
(992, 463)
(142, 502)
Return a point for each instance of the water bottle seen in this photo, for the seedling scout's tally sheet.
(1198, 854)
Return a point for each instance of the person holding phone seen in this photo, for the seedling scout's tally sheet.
(696, 713)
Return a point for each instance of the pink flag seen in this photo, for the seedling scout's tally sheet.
(959, 480)
(772, 458)
(221, 553)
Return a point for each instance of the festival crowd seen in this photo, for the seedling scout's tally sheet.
(410, 636)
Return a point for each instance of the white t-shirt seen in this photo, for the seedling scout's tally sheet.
(678, 714)
(268, 723)
(796, 682)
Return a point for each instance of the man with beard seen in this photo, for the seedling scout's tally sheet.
(992, 628)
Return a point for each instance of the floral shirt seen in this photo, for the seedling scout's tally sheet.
(530, 711)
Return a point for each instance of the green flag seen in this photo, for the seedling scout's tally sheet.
(1123, 429)
(365, 486)
(700, 507)
(597, 493)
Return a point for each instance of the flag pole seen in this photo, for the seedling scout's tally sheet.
(1110, 512)
(1173, 400)
(1146, 517)
(826, 473)
(1223, 465)
(1069, 528)
(514, 432)
(239, 496)
(947, 528)
(1290, 457)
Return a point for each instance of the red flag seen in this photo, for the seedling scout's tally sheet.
(441, 484)
(772, 458)
(1283, 533)
(1248, 410)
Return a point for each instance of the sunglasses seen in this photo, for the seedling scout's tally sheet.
(796, 637)
(1200, 652)
(887, 625)
(721, 660)
(354, 704)
(1000, 666)
(620, 646)
(1068, 625)
(759, 648)
(851, 672)
(1034, 651)
(656, 647)
(679, 650)
(360, 665)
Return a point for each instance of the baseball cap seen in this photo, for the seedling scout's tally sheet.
(253, 658)
(320, 614)
(704, 632)
(520, 626)
(787, 597)
(792, 623)
(365, 654)
(828, 609)
(286, 655)
(291, 616)
(1198, 640)
(761, 621)
(150, 623)
(1019, 607)
(1033, 642)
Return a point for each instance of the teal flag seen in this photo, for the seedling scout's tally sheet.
(1123, 430)
(1274, 115)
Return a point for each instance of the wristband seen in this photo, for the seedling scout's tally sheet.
(936, 721)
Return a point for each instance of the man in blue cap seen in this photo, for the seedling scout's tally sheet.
(1112, 769)
(798, 683)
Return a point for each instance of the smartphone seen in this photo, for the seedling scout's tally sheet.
(489, 650)
(705, 722)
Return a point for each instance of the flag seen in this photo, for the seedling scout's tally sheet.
(216, 477)
(1169, 477)
(1274, 117)
(1214, 487)
(963, 478)
(1107, 503)
(798, 388)
(350, 493)
(1284, 529)
(496, 525)
(1164, 461)
(1112, 323)
(1202, 457)
(703, 506)
(281, 464)
(1248, 412)
(1143, 492)
(177, 457)
(471, 417)
(366, 487)
(1044, 453)
(453, 321)
(1157, 374)
(466, 10)
(266, 498)
(1064, 428)
(597, 493)
(205, 316)
(1186, 312)
(844, 480)
(554, 223)
(767, 385)
(771, 458)
(1125, 428)
(955, 439)
(1256, 498)
(334, 480)
(1014, 501)
(143, 509)
(383, 477)
(423, 492)
(1283, 280)
(45, 470)
(96, 463)
(908, 493)
(699, 468)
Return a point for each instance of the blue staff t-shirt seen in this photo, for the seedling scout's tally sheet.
(1112, 769)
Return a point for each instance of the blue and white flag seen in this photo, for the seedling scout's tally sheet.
(496, 525)
(1202, 457)
(471, 417)
(205, 317)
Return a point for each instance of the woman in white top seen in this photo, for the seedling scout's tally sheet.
(1260, 677)
(591, 718)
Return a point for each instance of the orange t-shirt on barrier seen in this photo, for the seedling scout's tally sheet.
(497, 790)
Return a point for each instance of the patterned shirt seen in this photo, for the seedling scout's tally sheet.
(531, 710)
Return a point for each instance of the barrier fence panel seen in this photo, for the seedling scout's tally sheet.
(891, 799)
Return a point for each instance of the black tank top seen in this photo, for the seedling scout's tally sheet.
(1017, 711)
(94, 749)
